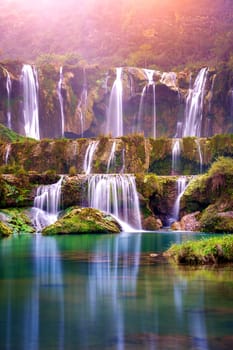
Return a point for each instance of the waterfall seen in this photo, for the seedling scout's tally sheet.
(181, 187)
(179, 127)
(82, 105)
(115, 109)
(176, 151)
(7, 153)
(59, 92)
(87, 166)
(117, 195)
(111, 158)
(200, 154)
(194, 106)
(46, 205)
(142, 106)
(30, 83)
(8, 89)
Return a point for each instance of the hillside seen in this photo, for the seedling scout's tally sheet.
(163, 34)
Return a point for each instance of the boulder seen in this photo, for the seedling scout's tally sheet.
(83, 220)
(188, 222)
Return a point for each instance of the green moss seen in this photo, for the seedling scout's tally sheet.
(18, 220)
(8, 135)
(205, 251)
(83, 220)
(5, 230)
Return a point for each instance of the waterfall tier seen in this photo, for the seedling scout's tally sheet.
(46, 205)
(30, 101)
(117, 195)
(194, 106)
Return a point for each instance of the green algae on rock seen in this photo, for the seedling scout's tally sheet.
(83, 220)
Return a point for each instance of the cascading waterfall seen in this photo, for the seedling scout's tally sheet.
(59, 92)
(30, 83)
(176, 151)
(179, 128)
(117, 195)
(115, 109)
(82, 105)
(8, 89)
(194, 106)
(142, 106)
(197, 141)
(111, 158)
(88, 159)
(7, 153)
(46, 205)
(181, 187)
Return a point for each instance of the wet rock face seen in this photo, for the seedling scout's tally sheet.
(86, 91)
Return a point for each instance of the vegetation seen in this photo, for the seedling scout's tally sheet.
(7, 135)
(83, 220)
(205, 251)
(5, 230)
(154, 33)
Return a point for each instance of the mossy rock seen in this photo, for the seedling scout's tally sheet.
(212, 250)
(5, 230)
(212, 221)
(18, 220)
(83, 220)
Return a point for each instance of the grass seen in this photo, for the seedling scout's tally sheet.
(212, 250)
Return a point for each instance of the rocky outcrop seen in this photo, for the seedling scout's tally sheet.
(83, 220)
(5, 230)
(133, 154)
(189, 222)
(85, 93)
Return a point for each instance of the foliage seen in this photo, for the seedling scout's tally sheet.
(18, 220)
(119, 32)
(205, 251)
(5, 230)
(7, 135)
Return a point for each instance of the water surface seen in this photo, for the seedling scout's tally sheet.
(109, 292)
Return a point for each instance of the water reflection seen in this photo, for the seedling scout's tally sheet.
(104, 292)
(113, 278)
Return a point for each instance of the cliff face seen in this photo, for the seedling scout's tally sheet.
(86, 94)
(127, 154)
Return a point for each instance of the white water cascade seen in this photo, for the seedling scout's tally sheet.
(115, 109)
(194, 106)
(111, 158)
(59, 92)
(176, 151)
(197, 141)
(30, 83)
(142, 106)
(8, 89)
(117, 195)
(88, 159)
(7, 153)
(46, 205)
(181, 187)
(82, 105)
